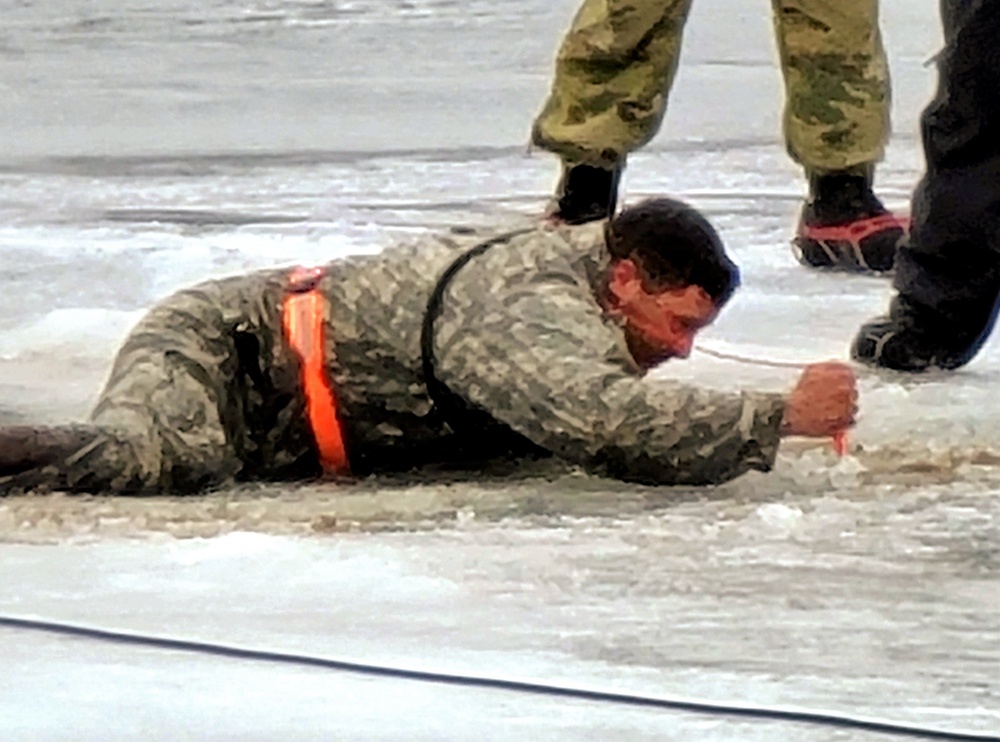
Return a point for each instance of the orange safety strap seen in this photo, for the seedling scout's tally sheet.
(303, 313)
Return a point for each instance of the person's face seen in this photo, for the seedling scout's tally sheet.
(659, 323)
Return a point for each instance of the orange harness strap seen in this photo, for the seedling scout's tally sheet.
(303, 312)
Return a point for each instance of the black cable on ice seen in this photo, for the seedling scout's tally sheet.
(798, 716)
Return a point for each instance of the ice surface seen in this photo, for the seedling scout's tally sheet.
(149, 145)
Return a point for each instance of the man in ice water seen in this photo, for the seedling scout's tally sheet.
(461, 349)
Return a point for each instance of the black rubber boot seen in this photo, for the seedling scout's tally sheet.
(585, 193)
(890, 343)
(917, 339)
(844, 226)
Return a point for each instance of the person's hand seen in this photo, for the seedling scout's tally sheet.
(824, 401)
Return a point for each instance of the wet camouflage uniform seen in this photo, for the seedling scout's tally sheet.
(204, 390)
(617, 64)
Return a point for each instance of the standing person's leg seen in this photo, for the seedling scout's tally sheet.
(948, 275)
(613, 75)
(836, 126)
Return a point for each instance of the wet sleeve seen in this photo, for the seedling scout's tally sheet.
(543, 360)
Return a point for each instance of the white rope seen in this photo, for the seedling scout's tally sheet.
(748, 359)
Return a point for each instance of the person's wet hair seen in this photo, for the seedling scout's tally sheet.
(675, 246)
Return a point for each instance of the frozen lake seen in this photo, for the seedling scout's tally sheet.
(149, 145)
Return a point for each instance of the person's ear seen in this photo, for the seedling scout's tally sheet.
(625, 282)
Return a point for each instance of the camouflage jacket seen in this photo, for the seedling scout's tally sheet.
(522, 341)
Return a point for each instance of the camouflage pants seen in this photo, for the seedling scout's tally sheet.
(202, 392)
(161, 410)
(617, 63)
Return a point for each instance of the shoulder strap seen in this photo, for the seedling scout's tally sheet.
(446, 403)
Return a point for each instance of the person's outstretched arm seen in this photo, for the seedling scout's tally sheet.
(540, 358)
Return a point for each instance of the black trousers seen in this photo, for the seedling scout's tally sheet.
(948, 275)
